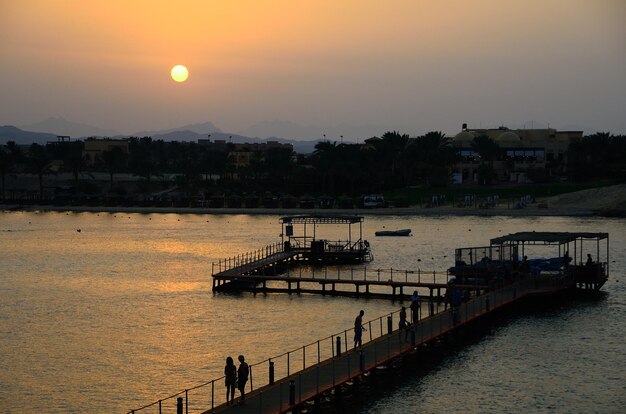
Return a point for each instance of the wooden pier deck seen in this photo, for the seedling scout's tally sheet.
(397, 289)
(285, 382)
(256, 264)
(328, 374)
(309, 372)
(268, 270)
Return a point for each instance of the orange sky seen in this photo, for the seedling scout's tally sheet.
(415, 64)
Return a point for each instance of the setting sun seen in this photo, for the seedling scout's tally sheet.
(179, 73)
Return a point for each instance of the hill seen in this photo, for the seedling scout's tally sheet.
(61, 126)
(21, 137)
(291, 130)
(203, 129)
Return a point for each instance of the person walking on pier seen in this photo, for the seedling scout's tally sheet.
(403, 324)
(358, 329)
(415, 307)
(525, 266)
(242, 377)
(456, 304)
(230, 372)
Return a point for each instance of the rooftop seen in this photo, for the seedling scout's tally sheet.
(532, 237)
(322, 219)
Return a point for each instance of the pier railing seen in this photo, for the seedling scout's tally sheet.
(246, 259)
(365, 273)
(287, 369)
(208, 395)
(249, 261)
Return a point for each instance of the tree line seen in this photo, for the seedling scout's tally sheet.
(391, 162)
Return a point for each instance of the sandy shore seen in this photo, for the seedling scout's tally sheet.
(601, 201)
(530, 211)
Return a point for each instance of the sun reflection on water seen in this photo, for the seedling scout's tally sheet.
(122, 313)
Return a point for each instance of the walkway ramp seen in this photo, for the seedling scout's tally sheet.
(325, 375)
(338, 370)
(306, 373)
(255, 264)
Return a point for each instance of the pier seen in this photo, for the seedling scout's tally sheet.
(275, 270)
(323, 368)
(394, 284)
(278, 268)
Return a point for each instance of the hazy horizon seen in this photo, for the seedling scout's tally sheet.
(413, 66)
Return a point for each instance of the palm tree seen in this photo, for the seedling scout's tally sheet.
(11, 156)
(278, 165)
(190, 166)
(143, 160)
(350, 173)
(39, 160)
(113, 159)
(489, 151)
(325, 159)
(215, 163)
(435, 156)
(5, 166)
(392, 149)
(73, 158)
(596, 156)
(257, 163)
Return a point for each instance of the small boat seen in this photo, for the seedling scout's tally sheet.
(403, 232)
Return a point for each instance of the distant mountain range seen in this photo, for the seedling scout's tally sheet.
(61, 126)
(301, 147)
(11, 133)
(350, 133)
(303, 138)
(203, 128)
(263, 130)
(189, 133)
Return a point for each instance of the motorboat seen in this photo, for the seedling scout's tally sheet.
(402, 232)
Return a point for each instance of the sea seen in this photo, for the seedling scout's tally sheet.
(107, 312)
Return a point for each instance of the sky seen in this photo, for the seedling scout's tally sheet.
(418, 65)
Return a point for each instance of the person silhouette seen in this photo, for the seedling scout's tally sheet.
(415, 307)
(403, 323)
(242, 377)
(358, 329)
(230, 372)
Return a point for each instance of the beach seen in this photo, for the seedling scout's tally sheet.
(409, 211)
(607, 201)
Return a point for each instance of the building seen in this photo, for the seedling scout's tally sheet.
(61, 140)
(524, 152)
(94, 147)
(216, 145)
(241, 154)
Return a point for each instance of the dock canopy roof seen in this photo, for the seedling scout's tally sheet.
(533, 237)
(322, 219)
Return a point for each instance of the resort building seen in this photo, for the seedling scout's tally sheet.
(241, 154)
(524, 153)
(95, 147)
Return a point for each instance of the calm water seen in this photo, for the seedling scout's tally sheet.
(121, 314)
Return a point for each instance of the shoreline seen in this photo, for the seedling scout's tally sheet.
(409, 211)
